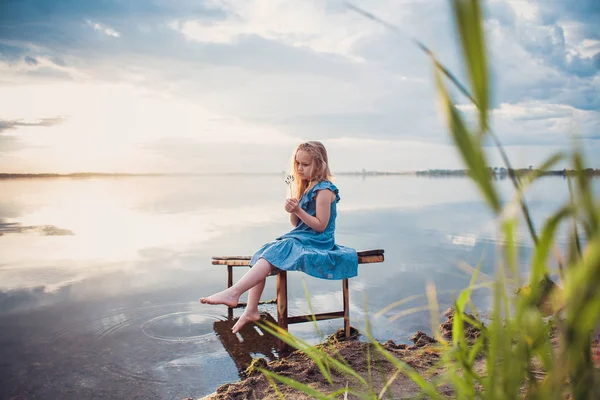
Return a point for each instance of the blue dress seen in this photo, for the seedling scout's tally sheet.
(304, 249)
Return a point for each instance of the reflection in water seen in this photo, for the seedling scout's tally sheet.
(179, 326)
(43, 230)
(248, 343)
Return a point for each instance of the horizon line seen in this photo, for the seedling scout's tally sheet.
(132, 174)
(4, 175)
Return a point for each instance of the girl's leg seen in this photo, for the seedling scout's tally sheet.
(230, 296)
(251, 313)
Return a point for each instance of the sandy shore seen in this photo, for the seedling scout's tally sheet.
(423, 356)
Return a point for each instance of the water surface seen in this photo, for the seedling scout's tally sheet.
(99, 277)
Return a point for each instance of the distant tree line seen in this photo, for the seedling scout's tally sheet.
(74, 175)
(501, 172)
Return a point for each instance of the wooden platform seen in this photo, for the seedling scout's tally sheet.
(364, 257)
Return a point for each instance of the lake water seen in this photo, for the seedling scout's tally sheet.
(99, 278)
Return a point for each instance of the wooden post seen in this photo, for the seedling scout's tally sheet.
(282, 306)
(229, 284)
(345, 293)
(229, 276)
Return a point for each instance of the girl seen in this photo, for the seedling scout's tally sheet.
(310, 247)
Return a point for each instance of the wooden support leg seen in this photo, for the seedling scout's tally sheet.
(229, 284)
(282, 306)
(345, 292)
(229, 276)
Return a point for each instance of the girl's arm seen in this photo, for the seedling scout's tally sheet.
(320, 221)
(294, 220)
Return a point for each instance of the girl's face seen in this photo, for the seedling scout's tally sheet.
(304, 164)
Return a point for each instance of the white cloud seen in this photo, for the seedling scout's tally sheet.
(107, 30)
(37, 68)
(326, 27)
(588, 48)
(545, 123)
(524, 9)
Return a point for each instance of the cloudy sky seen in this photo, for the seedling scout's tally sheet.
(234, 85)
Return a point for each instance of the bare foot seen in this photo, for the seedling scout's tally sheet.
(247, 316)
(224, 297)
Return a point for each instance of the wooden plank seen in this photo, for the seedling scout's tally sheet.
(233, 263)
(319, 317)
(232, 258)
(244, 263)
(375, 252)
(346, 299)
(370, 259)
(361, 253)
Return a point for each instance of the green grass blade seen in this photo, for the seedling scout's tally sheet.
(581, 286)
(296, 385)
(544, 167)
(388, 383)
(275, 387)
(514, 178)
(396, 304)
(575, 231)
(369, 369)
(510, 248)
(465, 295)
(468, 146)
(468, 19)
(317, 355)
(408, 311)
(538, 266)
(585, 194)
(434, 311)
(310, 308)
(427, 387)
(344, 392)
(477, 347)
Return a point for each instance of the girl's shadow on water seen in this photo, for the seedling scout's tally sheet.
(248, 342)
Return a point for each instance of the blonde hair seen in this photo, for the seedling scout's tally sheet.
(320, 169)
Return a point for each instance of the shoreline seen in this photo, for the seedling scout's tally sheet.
(298, 366)
(379, 376)
(423, 356)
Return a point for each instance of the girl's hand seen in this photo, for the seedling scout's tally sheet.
(291, 205)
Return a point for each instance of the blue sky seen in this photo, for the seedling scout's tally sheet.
(234, 85)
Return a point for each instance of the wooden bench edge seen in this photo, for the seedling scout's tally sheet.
(244, 263)
(361, 253)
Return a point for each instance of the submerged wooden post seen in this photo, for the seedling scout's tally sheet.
(345, 294)
(229, 284)
(282, 306)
